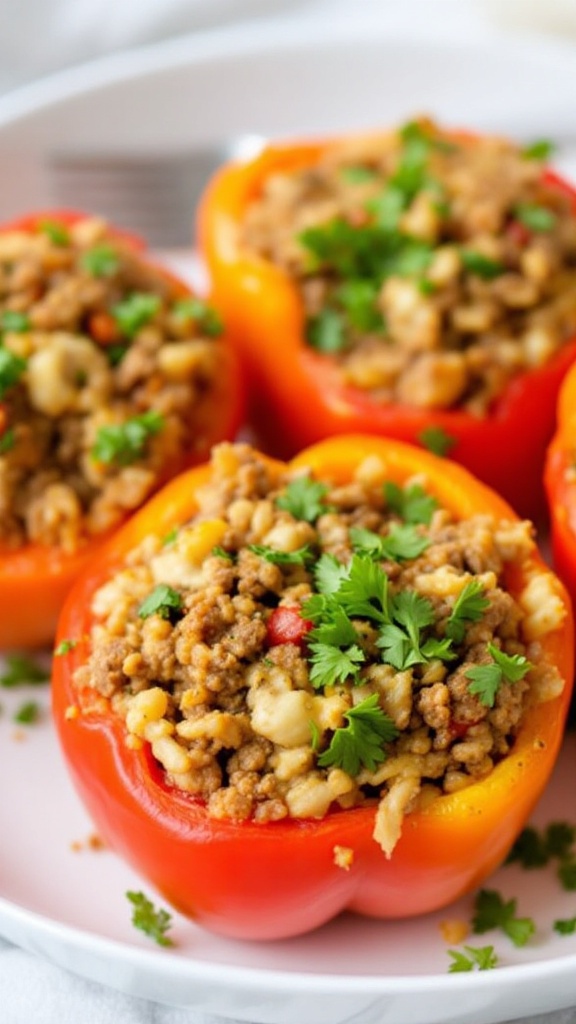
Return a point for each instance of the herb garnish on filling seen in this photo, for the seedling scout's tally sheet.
(408, 648)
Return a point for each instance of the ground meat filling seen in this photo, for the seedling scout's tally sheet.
(104, 368)
(432, 268)
(300, 647)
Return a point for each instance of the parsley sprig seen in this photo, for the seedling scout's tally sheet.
(412, 503)
(11, 369)
(163, 601)
(304, 499)
(469, 606)
(486, 680)
(360, 743)
(472, 958)
(120, 444)
(492, 911)
(154, 923)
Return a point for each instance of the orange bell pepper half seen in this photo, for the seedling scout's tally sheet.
(34, 579)
(560, 482)
(298, 396)
(277, 879)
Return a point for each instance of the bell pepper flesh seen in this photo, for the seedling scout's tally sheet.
(35, 579)
(266, 881)
(297, 396)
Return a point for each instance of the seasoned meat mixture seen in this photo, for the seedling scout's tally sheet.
(433, 267)
(300, 647)
(105, 364)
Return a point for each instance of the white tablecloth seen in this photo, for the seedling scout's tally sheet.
(40, 37)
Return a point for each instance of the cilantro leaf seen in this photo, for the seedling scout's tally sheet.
(492, 911)
(469, 606)
(14, 321)
(163, 601)
(534, 217)
(567, 874)
(145, 917)
(541, 149)
(11, 369)
(326, 331)
(7, 441)
(565, 926)
(135, 312)
(64, 647)
(401, 639)
(487, 679)
(330, 665)
(27, 713)
(302, 556)
(100, 261)
(436, 440)
(21, 670)
(121, 444)
(207, 319)
(481, 958)
(364, 590)
(358, 299)
(412, 503)
(485, 682)
(401, 543)
(480, 265)
(329, 573)
(304, 498)
(360, 742)
(336, 629)
(56, 231)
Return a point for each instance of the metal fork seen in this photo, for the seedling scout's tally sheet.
(154, 195)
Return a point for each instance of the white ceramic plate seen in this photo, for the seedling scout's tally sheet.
(66, 901)
(69, 905)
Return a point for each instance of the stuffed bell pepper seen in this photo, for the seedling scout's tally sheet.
(419, 284)
(286, 690)
(113, 377)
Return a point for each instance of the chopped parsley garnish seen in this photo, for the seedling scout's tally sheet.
(11, 369)
(358, 300)
(27, 713)
(480, 265)
(302, 556)
(469, 606)
(330, 664)
(401, 638)
(135, 312)
(220, 552)
(206, 318)
(565, 926)
(492, 911)
(123, 443)
(567, 874)
(21, 671)
(145, 917)
(535, 849)
(115, 353)
(356, 174)
(401, 543)
(487, 679)
(412, 503)
(436, 440)
(304, 499)
(64, 647)
(474, 958)
(57, 232)
(541, 149)
(7, 441)
(326, 331)
(360, 742)
(534, 217)
(15, 322)
(100, 261)
(163, 601)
